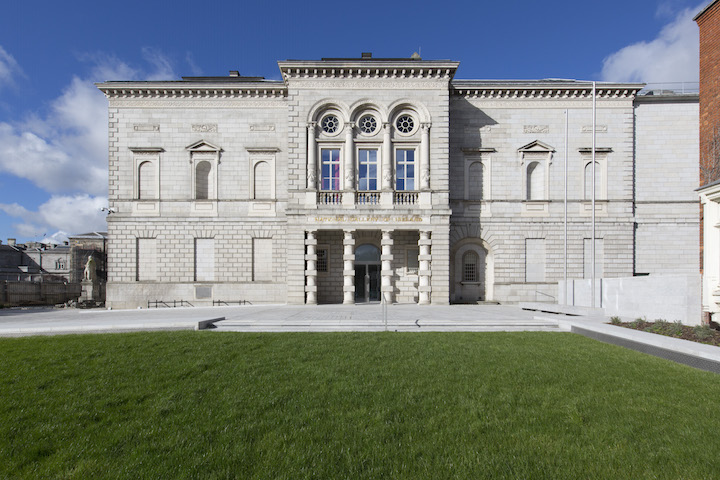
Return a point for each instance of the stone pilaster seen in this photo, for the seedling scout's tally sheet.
(311, 157)
(349, 164)
(424, 156)
(311, 268)
(387, 158)
(387, 272)
(348, 267)
(424, 288)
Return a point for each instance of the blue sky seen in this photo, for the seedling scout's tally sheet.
(53, 157)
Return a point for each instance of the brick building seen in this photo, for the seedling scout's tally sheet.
(708, 21)
(352, 179)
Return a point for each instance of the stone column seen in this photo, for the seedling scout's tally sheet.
(424, 156)
(311, 157)
(386, 258)
(387, 158)
(349, 157)
(424, 273)
(348, 268)
(311, 268)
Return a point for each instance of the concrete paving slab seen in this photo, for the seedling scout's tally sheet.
(351, 318)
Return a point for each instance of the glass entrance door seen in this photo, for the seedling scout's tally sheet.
(367, 283)
(367, 273)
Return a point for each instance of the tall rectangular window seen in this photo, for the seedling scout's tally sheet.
(367, 169)
(262, 260)
(534, 259)
(411, 260)
(322, 259)
(404, 169)
(330, 169)
(146, 258)
(204, 259)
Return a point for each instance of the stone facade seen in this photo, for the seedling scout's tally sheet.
(359, 179)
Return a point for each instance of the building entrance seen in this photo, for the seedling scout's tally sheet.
(367, 273)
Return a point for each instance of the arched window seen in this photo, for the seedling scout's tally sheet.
(263, 181)
(535, 181)
(146, 181)
(367, 253)
(470, 267)
(475, 181)
(202, 180)
(588, 181)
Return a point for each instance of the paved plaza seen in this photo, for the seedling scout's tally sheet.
(277, 318)
(369, 317)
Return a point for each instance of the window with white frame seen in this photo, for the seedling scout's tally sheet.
(204, 159)
(600, 175)
(202, 180)
(367, 169)
(146, 162)
(405, 169)
(330, 169)
(536, 158)
(535, 181)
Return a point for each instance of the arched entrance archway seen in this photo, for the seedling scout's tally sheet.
(367, 273)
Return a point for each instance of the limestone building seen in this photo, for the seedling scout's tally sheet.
(352, 179)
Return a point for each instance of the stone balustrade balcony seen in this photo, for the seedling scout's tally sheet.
(370, 198)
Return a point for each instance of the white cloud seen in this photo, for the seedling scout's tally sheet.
(61, 213)
(66, 150)
(162, 65)
(9, 68)
(671, 57)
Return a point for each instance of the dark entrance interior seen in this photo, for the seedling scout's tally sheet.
(367, 273)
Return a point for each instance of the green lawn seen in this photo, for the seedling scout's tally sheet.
(377, 405)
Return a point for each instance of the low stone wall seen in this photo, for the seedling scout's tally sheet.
(667, 297)
(37, 293)
(137, 294)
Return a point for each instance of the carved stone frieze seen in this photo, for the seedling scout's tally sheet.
(262, 127)
(536, 129)
(146, 127)
(197, 103)
(205, 127)
(598, 128)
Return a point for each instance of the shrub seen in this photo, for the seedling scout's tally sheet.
(615, 320)
(638, 323)
(703, 332)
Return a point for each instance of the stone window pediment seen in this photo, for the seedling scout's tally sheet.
(203, 146)
(536, 147)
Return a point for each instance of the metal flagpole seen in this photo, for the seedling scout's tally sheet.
(592, 240)
(566, 211)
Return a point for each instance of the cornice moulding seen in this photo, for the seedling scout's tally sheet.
(542, 89)
(411, 69)
(190, 90)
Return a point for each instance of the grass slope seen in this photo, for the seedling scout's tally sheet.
(386, 405)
